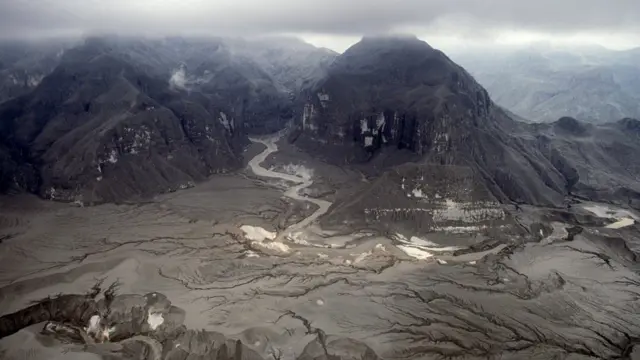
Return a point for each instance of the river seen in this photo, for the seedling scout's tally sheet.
(294, 192)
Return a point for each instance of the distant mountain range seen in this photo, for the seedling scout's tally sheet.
(543, 83)
(112, 118)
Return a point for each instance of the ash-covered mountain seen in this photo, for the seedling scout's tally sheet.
(118, 118)
(433, 132)
(545, 83)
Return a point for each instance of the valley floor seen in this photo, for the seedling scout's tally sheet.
(244, 256)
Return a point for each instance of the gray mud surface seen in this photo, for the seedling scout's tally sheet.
(553, 293)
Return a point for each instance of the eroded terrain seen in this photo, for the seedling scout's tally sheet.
(244, 255)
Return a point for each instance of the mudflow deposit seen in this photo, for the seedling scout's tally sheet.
(226, 199)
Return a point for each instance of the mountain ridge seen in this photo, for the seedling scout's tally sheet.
(188, 105)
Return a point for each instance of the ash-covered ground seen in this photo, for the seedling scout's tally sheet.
(248, 257)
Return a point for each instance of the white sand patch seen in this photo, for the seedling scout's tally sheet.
(422, 242)
(323, 256)
(251, 254)
(441, 262)
(415, 252)
(300, 171)
(606, 211)
(460, 229)
(621, 223)
(275, 246)
(380, 247)
(320, 302)
(154, 320)
(257, 233)
(361, 257)
(421, 248)
(623, 217)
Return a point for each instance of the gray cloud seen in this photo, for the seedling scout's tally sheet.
(479, 18)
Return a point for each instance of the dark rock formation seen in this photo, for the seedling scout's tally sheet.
(122, 118)
(400, 94)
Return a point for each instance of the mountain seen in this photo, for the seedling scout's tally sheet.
(119, 118)
(433, 132)
(543, 84)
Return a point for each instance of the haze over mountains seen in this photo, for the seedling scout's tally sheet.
(543, 83)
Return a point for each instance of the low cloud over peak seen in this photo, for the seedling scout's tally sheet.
(476, 19)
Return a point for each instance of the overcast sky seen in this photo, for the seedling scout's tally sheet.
(336, 23)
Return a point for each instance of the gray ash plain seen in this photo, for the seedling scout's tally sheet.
(231, 260)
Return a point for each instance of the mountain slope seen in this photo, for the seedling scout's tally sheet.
(389, 101)
(107, 124)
